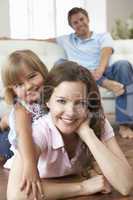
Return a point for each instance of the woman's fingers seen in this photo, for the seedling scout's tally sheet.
(107, 187)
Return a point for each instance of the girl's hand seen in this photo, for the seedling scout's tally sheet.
(31, 182)
(94, 185)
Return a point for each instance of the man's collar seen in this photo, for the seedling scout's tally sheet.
(76, 38)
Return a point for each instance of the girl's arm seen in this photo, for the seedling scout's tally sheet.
(30, 179)
(110, 159)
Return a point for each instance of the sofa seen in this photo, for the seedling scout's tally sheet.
(49, 53)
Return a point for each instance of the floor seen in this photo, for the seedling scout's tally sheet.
(126, 145)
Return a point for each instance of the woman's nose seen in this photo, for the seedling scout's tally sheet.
(70, 109)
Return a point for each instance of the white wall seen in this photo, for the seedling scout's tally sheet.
(99, 9)
(118, 9)
(97, 14)
(4, 18)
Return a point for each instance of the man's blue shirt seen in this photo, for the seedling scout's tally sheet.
(85, 51)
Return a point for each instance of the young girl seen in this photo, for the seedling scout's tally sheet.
(73, 130)
(23, 77)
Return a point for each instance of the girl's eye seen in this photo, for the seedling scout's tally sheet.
(32, 76)
(61, 101)
(18, 85)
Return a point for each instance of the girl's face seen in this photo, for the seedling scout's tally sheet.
(68, 106)
(30, 86)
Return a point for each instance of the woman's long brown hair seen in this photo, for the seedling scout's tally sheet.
(71, 71)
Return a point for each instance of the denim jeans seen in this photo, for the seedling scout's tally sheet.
(122, 71)
(5, 145)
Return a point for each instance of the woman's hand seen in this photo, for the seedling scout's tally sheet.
(94, 185)
(31, 182)
(84, 130)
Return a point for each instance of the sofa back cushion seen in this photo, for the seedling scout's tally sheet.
(48, 52)
(123, 50)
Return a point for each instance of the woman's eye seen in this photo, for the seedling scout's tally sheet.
(82, 103)
(62, 101)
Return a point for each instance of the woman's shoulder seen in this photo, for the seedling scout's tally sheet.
(41, 122)
(44, 125)
(37, 111)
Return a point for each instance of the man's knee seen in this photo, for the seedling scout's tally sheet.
(122, 67)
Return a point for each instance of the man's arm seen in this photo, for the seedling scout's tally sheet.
(106, 52)
(105, 56)
(47, 40)
(51, 40)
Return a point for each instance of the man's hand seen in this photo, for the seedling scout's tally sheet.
(97, 73)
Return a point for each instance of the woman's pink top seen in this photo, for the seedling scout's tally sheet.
(54, 160)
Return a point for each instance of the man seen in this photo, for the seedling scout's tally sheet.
(94, 51)
(5, 152)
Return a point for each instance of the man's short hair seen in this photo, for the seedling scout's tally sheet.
(76, 10)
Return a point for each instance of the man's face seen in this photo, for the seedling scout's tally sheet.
(80, 23)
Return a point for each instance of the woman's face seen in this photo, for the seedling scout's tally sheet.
(30, 85)
(68, 106)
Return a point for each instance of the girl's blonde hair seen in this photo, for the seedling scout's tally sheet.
(13, 67)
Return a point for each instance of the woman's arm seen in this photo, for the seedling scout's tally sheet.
(26, 148)
(60, 188)
(110, 159)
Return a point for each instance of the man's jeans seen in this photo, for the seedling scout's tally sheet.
(122, 71)
(5, 145)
